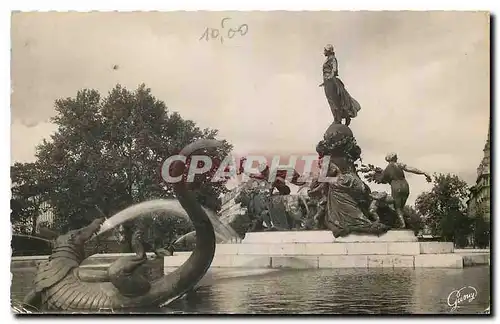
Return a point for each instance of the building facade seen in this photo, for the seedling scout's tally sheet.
(480, 199)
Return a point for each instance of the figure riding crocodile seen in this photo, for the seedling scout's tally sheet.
(60, 284)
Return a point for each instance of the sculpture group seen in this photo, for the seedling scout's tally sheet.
(345, 204)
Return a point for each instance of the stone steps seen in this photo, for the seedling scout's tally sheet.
(320, 249)
(448, 260)
(348, 248)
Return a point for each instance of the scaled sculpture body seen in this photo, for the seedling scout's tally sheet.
(60, 284)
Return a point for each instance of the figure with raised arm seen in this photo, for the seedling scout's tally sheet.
(394, 174)
(342, 105)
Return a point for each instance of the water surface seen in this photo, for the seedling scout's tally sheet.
(328, 291)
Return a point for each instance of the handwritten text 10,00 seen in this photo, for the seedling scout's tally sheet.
(214, 33)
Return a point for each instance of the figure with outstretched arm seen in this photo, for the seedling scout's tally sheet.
(413, 170)
(394, 174)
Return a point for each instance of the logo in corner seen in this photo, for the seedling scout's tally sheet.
(460, 296)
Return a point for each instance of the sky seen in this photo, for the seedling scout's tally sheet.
(422, 78)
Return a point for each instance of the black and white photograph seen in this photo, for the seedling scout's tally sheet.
(250, 162)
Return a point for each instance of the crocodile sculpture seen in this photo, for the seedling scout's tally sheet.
(61, 285)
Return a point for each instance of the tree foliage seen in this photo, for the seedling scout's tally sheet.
(444, 209)
(482, 229)
(162, 229)
(26, 199)
(107, 153)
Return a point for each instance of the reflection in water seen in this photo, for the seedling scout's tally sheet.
(328, 291)
(439, 284)
(342, 291)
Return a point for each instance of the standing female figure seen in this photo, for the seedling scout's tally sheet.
(342, 105)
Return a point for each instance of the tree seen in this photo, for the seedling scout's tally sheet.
(107, 154)
(444, 209)
(162, 229)
(481, 229)
(26, 200)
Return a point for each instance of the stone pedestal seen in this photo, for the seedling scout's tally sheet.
(320, 249)
(325, 237)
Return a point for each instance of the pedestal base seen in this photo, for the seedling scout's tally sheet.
(320, 249)
(325, 237)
